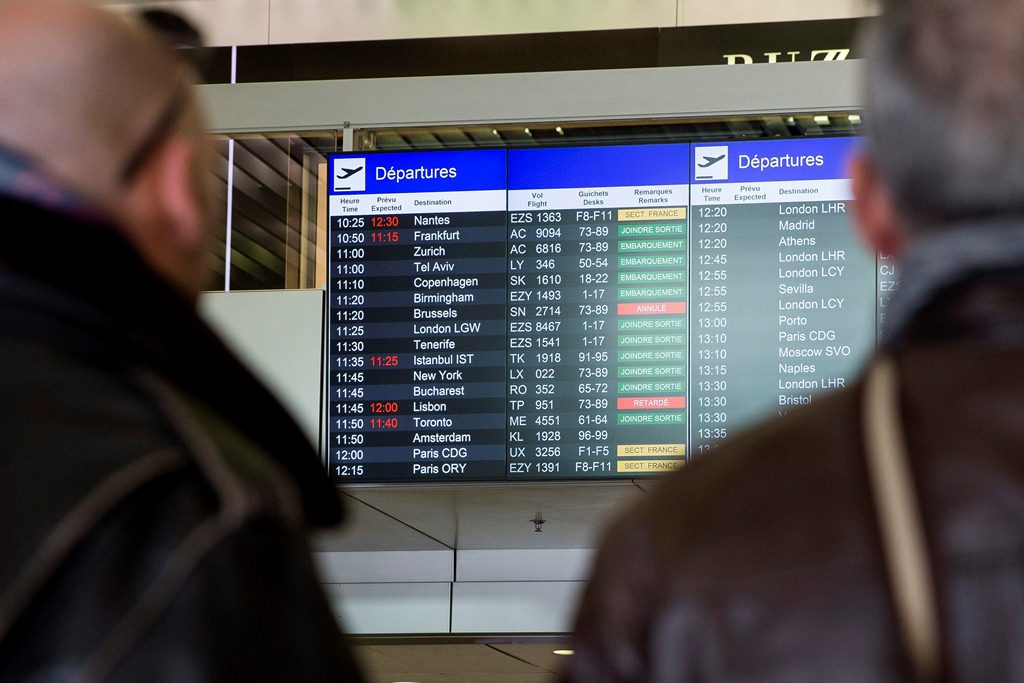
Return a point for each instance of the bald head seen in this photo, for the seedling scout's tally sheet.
(78, 87)
(101, 104)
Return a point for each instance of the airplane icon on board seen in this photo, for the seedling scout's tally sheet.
(711, 161)
(349, 172)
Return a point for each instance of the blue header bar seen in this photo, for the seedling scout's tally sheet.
(772, 160)
(400, 172)
(610, 166)
(617, 166)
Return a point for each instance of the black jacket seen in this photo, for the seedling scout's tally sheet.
(762, 561)
(154, 497)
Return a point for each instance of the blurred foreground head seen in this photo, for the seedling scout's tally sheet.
(945, 92)
(100, 103)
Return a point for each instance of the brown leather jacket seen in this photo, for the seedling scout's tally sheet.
(763, 562)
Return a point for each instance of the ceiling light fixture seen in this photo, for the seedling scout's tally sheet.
(563, 653)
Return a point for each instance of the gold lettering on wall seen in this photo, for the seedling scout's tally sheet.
(829, 55)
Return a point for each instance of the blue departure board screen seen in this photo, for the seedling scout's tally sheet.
(585, 312)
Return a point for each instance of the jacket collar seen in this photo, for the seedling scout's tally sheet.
(22, 179)
(75, 284)
(943, 272)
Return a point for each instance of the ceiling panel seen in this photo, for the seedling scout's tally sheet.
(461, 663)
(503, 678)
(541, 656)
(369, 529)
(500, 516)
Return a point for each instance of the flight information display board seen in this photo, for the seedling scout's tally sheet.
(418, 291)
(585, 312)
(784, 292)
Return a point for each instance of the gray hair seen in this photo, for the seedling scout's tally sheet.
(945, 106)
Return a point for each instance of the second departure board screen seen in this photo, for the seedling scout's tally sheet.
(784, 291)
(588, 312)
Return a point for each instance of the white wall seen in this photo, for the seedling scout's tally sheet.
(277, 334)
(259, 22)
(704, 12)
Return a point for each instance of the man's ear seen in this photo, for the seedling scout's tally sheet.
(176, 192)
(163, 216)
(878, 223)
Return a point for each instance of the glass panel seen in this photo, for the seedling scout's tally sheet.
(273, 208)
(619, 132)
(219, 189)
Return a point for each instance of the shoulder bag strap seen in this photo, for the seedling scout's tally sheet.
(900, 522)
